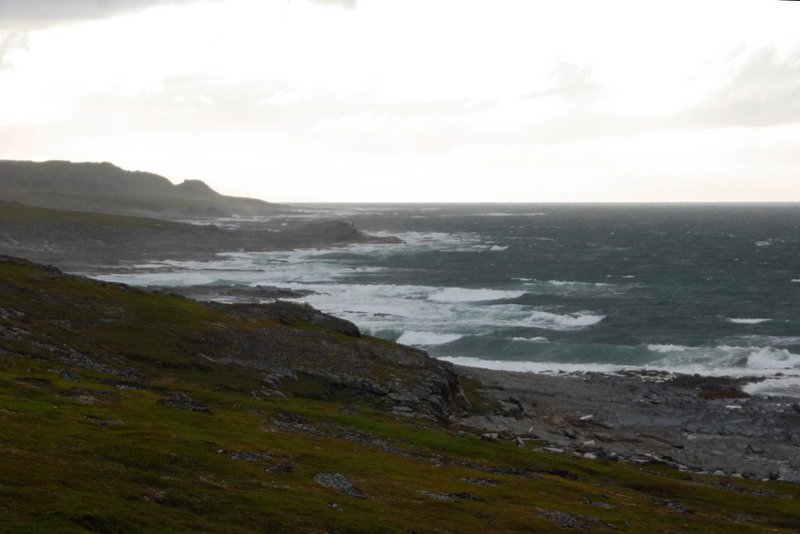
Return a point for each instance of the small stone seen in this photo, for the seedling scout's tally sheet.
(280, 468)
(338, 482)
(754, 449)
(564, 520)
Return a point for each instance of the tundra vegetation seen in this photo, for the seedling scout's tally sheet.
(125, 411)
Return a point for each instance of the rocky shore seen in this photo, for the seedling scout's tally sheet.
(694, 423)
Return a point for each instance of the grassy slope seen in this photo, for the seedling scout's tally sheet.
(16, 213)
(79, 453)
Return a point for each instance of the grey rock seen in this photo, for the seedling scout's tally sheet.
(280, 468)
(338, 482)
(565, 520)
(185, 402)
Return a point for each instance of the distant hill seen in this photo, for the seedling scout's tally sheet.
(106, 188)
(77, 238)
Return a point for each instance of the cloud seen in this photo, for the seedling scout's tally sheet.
(348, 4)
(763, 92)
(28, 14)
(573, 83)
(11, 40)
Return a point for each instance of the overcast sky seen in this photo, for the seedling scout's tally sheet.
(428, 101)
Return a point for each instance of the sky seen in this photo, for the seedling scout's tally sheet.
(414, 101)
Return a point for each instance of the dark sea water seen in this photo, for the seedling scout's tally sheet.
(711, 289)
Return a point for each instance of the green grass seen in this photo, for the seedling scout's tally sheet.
(80, 454)
(16, 213)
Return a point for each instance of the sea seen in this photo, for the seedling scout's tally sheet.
(709, 289)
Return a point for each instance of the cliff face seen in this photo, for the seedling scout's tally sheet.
(106, 188)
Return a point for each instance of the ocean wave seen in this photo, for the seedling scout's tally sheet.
(459, 294)
(562, 283)
(533, 367)
(788, 386)
(537, 339)
(784, 384)
(771, 341)
(412, 337)
(571, 321)
(726, 359)
(434, 240)
(746, 320)
(505, 214)
(497, 248)
(574, 287)
(667, 348)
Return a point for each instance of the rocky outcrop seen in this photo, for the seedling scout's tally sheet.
(292, 313)
(688, 422)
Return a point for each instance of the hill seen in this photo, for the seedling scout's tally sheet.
(128, 411)
(79, 239)
(106, 188)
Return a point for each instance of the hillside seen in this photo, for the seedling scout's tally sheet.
(127, 411)
(106, 188)
(78, 239)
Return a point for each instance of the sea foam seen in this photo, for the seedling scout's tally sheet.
(412, 337)
(459, 294)
(554, 321)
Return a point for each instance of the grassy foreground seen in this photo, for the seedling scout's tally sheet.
(113, 421)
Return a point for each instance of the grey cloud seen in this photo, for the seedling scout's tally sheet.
(763, 92)
(28, 14)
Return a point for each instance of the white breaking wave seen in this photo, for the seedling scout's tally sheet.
(497, 248)
(537, 339)
(505, 214)
(726, 359)
(788, 386)
(560, 283)
(427, 338)
(534, 367)
(747, 320)
(573, 287)
(774, 383)
(459, 294)
(554, 321)
(667, 348)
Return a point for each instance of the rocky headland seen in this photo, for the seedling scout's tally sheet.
(106, 188)
(77, 240)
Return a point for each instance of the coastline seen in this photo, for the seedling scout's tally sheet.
(693, 423)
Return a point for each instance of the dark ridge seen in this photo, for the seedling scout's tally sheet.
(106, 188)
